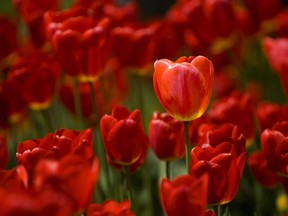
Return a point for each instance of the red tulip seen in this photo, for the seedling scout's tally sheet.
(237, 109)
(134, 46)
(82, 44)
(72, 175)
(224, 168)
(55, 145)
(276, 51)
(166, 137)
(275, 147)
(15, 179)
(184, 87)
(186, 195)
(124, 138)
(35, 75)
(260, 170)
(110, 207)
(32, 13)
(269, 114)
(213, 135)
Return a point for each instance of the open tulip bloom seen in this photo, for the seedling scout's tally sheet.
(184, 87)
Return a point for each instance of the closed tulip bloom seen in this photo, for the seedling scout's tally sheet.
(186, 195)
(110, 207)
(275, 148)
(124, 138)
(166, 137)
(224, 167)
(268, 114)
(260, 170)
(35, 75)
(81, 44)
(184, 87)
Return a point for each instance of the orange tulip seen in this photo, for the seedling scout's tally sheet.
(184, 87)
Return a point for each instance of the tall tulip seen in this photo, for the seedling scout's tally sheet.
(124, 139)
(184, 87)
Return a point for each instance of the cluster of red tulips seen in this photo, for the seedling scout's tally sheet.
(104, 111)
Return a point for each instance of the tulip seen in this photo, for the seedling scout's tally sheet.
(184, 87)
(124, 139)
(32, 14)
(213, 135)
(15, 179)
(166, 137)
(72, 175)
(35, 75)
(186, 195)
(12, 109)
(129, 41)
(261, 171)
(237, 109)
(55, 146)
(224, 168)
(268, 114)
(275, 148)
(81, 44)
(110, 207)
(276, 51)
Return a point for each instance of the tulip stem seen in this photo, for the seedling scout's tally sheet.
(187, 144)
(77, 103)
(218, 210)
(128, 183)
(47, 118)
(94, 103)
(168, 170)
(100, 150)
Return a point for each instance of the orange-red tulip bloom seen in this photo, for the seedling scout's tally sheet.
(184, 87)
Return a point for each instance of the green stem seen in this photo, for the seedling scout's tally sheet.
(187, 144)
(219, 210)
(128, 183)
(100, 148)
(77, 103)
(168, 169)
(94, 103)
(47, 118)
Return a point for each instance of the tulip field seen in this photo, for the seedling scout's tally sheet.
(143, 108)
